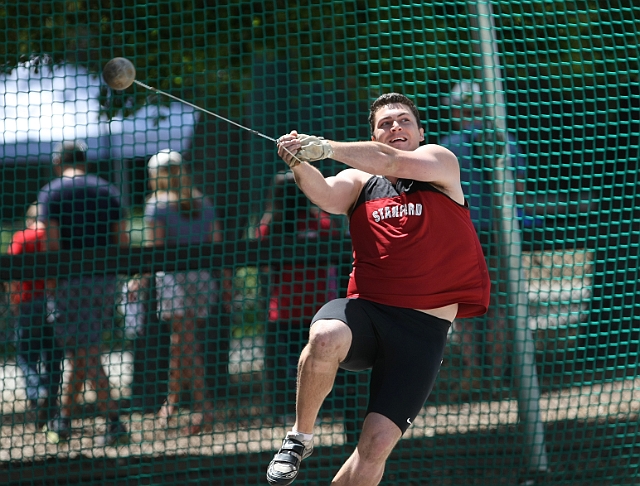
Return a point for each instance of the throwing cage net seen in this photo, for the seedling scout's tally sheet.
(160, 272)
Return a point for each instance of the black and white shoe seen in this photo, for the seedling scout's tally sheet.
(284, 467)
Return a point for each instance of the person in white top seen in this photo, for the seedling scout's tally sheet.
(176, 213)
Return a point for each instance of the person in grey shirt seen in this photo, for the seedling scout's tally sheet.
(176, 213)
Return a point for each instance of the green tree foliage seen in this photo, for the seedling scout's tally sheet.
(203, 50)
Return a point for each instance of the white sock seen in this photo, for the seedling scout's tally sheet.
(306, 438)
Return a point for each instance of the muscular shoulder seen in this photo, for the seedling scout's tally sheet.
(339, 192)
(442, 170)
(442, 153)
(355, 180)
(355, 176)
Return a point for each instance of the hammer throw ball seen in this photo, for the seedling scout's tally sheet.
(119, 73)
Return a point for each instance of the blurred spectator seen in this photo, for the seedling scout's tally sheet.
(80, 211)
(38, 355)
(175, 214)
(297, 290)
(484, 337)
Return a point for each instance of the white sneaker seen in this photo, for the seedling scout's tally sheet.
(284, 467)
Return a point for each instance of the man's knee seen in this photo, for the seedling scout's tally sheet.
(378, 438)
(376, 449)
(329, 339)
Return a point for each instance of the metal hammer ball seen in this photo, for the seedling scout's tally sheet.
(119, 73)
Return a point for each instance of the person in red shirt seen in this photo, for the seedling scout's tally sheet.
(417, 265)
(39, 357)
(297, 290)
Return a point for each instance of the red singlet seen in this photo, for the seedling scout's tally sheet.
(415, 247)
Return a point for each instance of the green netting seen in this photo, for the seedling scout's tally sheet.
(542, 390)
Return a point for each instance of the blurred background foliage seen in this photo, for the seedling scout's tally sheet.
(204, 50)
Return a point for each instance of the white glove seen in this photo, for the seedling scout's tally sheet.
(313, 148)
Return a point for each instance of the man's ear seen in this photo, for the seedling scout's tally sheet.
(422, 134)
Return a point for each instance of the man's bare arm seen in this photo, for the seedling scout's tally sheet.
(429, 163)
(121, 233)
(336, 194)
(153, 234)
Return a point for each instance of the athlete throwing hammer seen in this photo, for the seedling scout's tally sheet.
(417, 265)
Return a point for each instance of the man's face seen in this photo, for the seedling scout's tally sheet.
(397, 127)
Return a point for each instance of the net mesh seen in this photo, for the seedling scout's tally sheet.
(152, 327)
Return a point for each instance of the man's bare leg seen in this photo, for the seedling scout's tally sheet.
(76, 382)
(329, 343)
(176, 363)
(194, 374)
(366, 465)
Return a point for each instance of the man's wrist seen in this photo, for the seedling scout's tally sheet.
(313, 148)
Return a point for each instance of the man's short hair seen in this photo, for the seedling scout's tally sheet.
(391, 99)
(69, 153)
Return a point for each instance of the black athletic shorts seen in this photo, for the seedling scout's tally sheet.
(402, 347)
